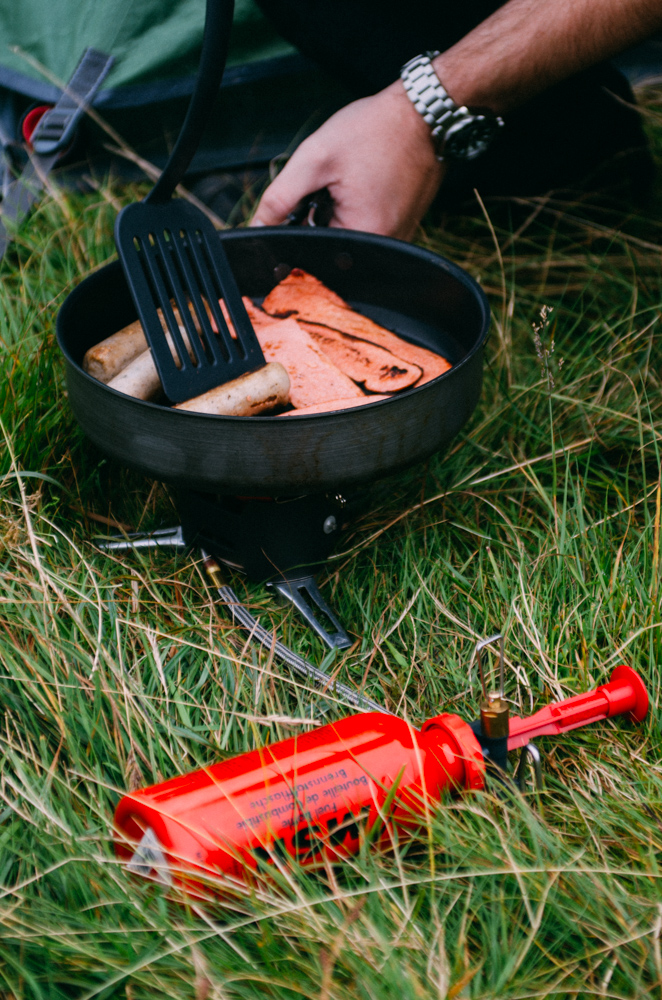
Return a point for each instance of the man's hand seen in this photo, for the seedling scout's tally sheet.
(375, 156)
(376, 159)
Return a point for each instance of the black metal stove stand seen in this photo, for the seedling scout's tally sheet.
(278, 540)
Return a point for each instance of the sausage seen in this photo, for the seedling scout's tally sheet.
(140, 378)
(106, 359)
(264, 389)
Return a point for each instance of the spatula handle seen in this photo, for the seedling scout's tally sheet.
(218, 22)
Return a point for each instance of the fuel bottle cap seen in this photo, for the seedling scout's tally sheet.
(467, 746)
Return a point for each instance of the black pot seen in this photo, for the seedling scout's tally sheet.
(417, 294)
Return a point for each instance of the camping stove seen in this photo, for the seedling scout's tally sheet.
(279, 540)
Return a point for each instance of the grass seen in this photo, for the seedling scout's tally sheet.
(542, 519)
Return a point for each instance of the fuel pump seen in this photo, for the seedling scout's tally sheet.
(313, 796)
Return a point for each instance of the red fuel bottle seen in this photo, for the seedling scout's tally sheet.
(305, 796)
(302, 797)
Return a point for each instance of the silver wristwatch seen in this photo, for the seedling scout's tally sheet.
(458, 133)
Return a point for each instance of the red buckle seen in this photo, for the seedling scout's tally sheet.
(32, 119)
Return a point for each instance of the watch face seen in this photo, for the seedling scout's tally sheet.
(469, 137)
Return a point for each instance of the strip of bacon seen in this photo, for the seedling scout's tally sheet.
(305, 297)
(313, 377)
(332, 404)
(378, 370)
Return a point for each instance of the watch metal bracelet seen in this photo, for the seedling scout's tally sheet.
(474, 128)
(426, 91)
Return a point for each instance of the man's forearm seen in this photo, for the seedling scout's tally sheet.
(376, 156)
(528, 45)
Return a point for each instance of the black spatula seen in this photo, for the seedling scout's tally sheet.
(171, 253)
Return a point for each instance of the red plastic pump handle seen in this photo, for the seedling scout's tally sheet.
(625, 692)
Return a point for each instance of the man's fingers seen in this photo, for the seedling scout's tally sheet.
(272, 210)
(298, 178)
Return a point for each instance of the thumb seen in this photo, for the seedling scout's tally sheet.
(298, 178)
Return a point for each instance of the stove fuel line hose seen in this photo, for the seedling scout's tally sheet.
(242, 616)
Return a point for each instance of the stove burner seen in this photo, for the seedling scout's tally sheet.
(265, 537)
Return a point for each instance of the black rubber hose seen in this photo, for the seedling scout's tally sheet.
(215, 42)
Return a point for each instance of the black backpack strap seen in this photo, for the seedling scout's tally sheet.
(51, 139)
(55, 131)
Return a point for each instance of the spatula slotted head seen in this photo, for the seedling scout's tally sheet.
(177, 271)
